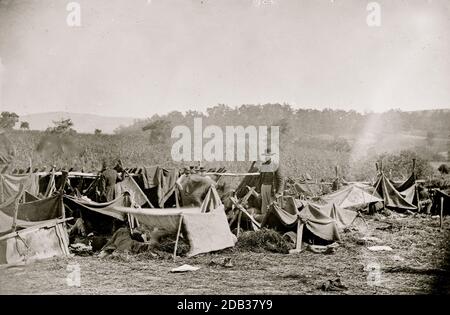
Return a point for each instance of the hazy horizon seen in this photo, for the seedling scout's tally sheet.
(141, 57)
(204, 112)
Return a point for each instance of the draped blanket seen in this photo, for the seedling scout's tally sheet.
(164, 179)
(342, 217)
(315, 220)
(408, 189)
(9, 185)
(130, 186)
(30, 213)
(392, 197)
(351, 196)
(106, 208)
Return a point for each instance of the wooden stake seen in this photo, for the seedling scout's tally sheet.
(177, 195)
(178, 237)
(16, 210)
(442, 212)
(298, 243)
(415, 185)
(239, 223)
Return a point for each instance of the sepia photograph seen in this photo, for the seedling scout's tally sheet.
(234, 150)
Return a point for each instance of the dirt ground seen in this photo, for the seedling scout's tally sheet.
(417, 265)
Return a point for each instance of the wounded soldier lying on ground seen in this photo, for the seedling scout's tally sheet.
(133, 242)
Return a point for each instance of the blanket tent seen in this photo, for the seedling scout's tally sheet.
(32, 230)
(393, 198)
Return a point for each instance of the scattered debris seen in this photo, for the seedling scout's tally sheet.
(319, 249)
(379, 248)
(333, 285)
(184, 268)
(225, 262)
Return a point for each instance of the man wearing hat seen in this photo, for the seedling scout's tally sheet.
(202, 172)
(108, 179)
(272, 180)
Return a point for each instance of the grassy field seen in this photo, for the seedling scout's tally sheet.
(416, 265)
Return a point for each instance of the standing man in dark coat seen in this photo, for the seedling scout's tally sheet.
(272, 181)
(109, 178)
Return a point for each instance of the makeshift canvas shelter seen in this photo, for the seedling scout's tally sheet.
(343, 217)
(155, 185)
(40, 241)
(205, 227)
(351, 196)
(393, 199)
(32, 230)
(97, 217)
(309, 223)
(136, 194)
(205, 232)
(408, 189)
(22, 215)
(158, 184)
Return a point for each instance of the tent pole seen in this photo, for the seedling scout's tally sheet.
(415, 186)
(16, 208)
(239, 223)
(442, 212)
(298, 242)
(177, 195)
(178, 237)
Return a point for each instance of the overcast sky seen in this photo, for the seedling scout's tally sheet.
(139, 57)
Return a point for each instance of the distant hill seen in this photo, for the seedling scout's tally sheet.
(83, 123)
